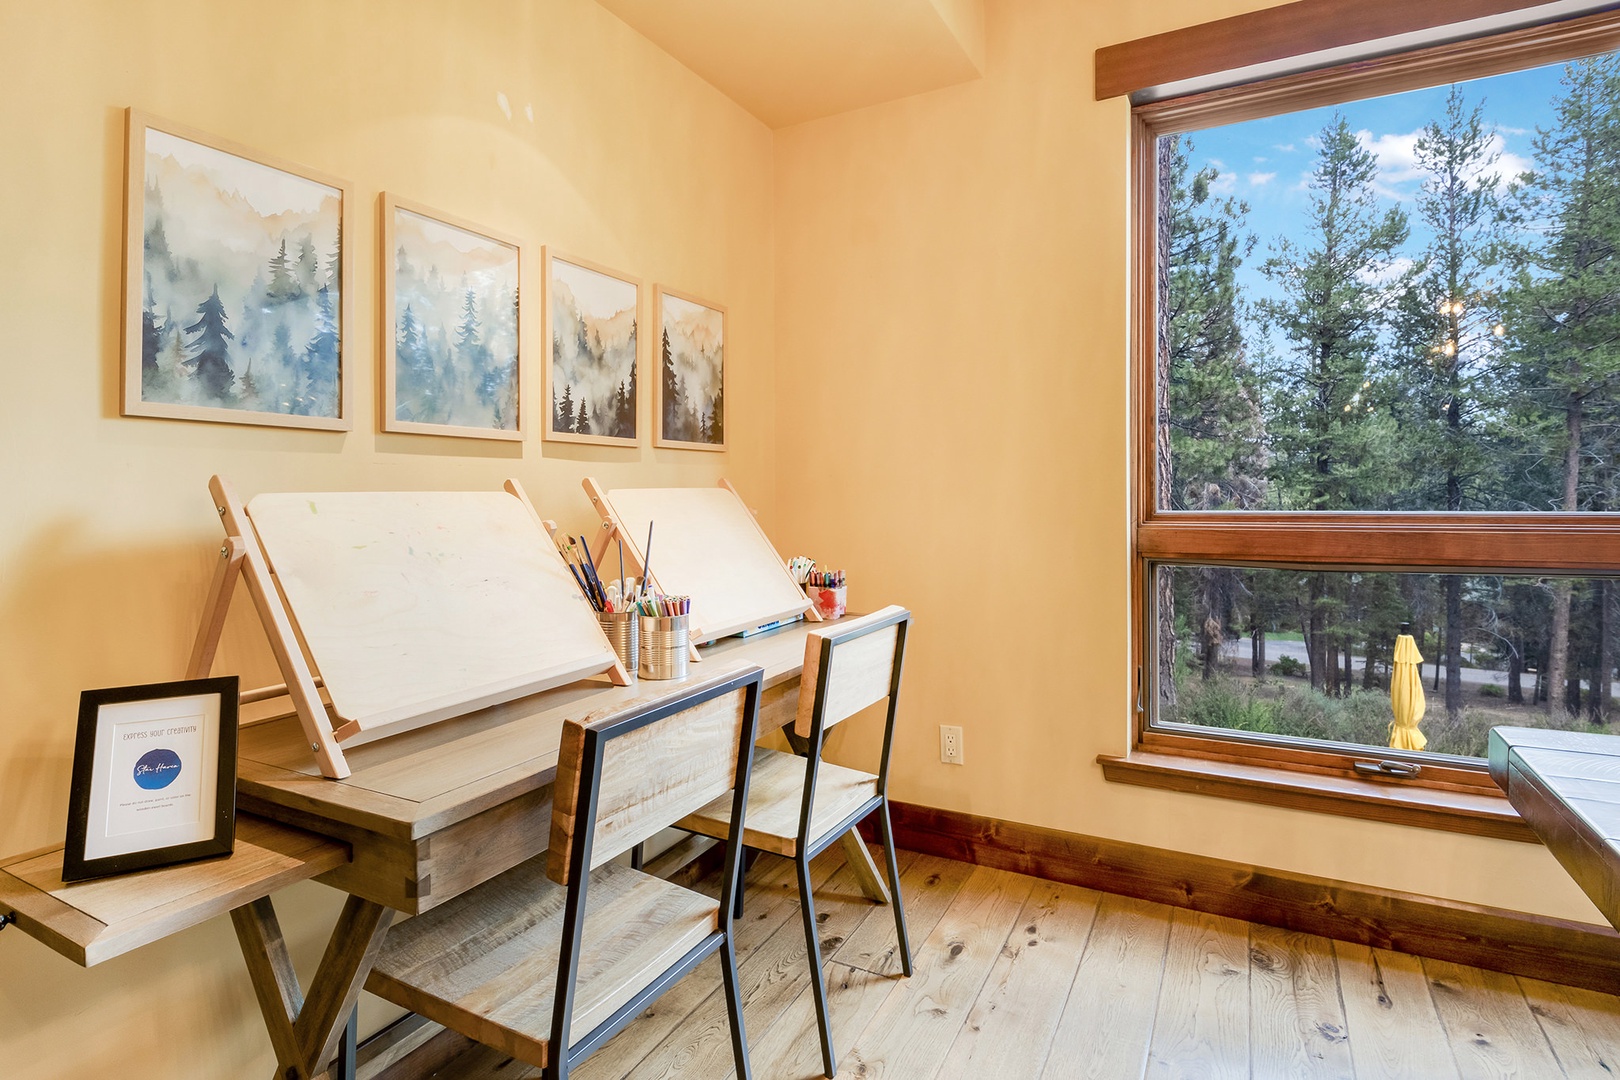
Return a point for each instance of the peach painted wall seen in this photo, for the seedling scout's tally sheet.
(548, 120)
(953, 428)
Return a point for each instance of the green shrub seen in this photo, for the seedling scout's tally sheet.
(1491, 690)
(1362, 719)
(1287, 665)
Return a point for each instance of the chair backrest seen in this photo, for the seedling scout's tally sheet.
(850, 666)
(647, 764)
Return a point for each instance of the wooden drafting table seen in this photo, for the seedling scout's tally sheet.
(707, 546)
(404, 607)
(430, 813)
(423, 816)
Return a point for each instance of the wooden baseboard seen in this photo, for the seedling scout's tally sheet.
(1556, 950)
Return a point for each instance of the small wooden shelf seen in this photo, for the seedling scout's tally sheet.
(92, 921)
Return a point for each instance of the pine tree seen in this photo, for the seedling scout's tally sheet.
(582, 420)
(1563, 315)
(413, 379)
(1451, 353)
(564, 417)
(468, 343)
(717, 416)
(334, 262)
(151, 338)
(1213, 430)
(248, 387)
(308, 270)
(624, 420)
(156, 241)
(209, 362)
(1216, 431)
(673, 419)
(627, 426)
(1331, 442)
(321, 361)
(283, 284)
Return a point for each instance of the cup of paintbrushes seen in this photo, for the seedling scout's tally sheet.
(665, 640)
(623, 633)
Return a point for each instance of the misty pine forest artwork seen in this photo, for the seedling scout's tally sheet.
(691, 373)
(591, 380)
(237, 275)
(452, 301)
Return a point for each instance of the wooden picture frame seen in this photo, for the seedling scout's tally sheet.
(682, 419)
(452, 357)
(585, 334)
(266, 344)
(154, 777)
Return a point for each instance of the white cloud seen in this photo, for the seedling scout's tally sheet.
(1284, 148)
(1260, 179)
(1399, 175)
(1385, 274)
(1224, 183)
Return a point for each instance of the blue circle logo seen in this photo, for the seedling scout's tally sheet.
(157, 769)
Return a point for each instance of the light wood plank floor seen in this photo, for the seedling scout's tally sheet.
(1020, 978)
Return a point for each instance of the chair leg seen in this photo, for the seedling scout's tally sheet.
(749, 857)
(812, 944)
(894, 889)
(739, 1040)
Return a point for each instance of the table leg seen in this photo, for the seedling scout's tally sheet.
(306, 1033)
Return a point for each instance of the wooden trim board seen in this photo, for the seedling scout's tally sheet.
(1275, 34)
(1519, 943)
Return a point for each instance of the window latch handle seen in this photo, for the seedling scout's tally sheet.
(1403, 770)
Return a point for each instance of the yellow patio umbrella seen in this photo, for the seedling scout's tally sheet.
(1406, 696)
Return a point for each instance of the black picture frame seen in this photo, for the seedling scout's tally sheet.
(92, 802)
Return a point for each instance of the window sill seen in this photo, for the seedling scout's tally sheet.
(1395, 802)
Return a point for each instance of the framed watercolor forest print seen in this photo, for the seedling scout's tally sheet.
(690, 412)
(451, 319)
(593, 317)
(235, 284)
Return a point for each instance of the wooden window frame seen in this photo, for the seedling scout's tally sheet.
(1450, 793)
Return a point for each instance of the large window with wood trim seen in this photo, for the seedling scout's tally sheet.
(1378, 382)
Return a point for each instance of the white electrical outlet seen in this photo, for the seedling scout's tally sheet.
(950, 744)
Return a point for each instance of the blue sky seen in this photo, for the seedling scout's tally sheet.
(1268, 162)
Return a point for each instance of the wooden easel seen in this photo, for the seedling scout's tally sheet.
(243, 555)
(613, 530)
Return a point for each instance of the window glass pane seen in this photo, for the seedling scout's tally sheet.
(1311, 654)
(1405, 303)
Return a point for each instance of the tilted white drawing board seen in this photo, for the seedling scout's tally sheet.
(416, 606)
(706, 545)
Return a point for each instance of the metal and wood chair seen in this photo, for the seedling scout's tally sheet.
(549, 960)
(799, 806)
